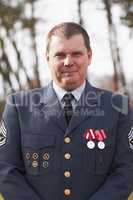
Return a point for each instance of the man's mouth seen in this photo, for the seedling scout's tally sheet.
(66, 74)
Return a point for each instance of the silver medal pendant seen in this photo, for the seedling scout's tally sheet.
(101, 145)
(90, 144)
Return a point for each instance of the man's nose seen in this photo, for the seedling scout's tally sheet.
(68, 61)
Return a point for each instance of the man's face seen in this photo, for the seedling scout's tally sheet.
(68, 60)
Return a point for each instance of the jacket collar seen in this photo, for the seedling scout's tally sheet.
(85, 109)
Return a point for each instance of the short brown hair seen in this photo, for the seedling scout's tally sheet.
(67, 30)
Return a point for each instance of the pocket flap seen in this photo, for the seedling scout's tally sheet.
(38, 141)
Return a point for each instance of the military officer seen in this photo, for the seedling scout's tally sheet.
(68, 140)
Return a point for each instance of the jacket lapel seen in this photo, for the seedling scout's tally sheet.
(52, 107)
(86, 108)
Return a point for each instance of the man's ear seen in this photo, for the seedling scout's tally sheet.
(90, 55)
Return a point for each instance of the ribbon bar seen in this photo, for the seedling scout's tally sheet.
(91, 134)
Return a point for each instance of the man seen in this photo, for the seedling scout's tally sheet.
(68, 140)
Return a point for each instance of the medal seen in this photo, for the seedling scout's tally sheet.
(101, 145)
(92, 135)
(90, 144)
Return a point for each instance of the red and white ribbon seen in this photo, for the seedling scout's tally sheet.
(91, 134)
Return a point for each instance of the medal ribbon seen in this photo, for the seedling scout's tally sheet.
(91, 134)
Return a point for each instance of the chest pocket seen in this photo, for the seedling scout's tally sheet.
(38, 153)
(98, 161)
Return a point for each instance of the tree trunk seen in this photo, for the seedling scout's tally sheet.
(119, 79)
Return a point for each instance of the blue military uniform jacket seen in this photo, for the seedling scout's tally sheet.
(41, 158)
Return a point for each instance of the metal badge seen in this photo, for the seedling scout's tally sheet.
(34, 164)
(1, 197)
(27, 155)
(46, 156)
(101, 145)
(45, 164)
(35, 156)
(91, 144)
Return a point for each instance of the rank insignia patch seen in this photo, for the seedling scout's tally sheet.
(130, 137)
(3, 133)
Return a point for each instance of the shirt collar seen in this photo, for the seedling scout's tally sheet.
(60, 92)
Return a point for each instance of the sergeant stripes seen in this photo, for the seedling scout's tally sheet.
(3, 133)
(130, 137)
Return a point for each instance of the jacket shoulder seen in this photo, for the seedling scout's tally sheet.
(113, 100)
(24, 97)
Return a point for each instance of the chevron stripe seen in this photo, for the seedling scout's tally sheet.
(3, 133)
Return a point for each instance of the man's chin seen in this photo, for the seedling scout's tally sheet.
(69, 84)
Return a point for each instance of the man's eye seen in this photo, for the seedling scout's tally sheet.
(59, 55)
(77, 54)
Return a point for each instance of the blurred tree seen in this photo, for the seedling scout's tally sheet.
(80, 12)
(127, 16)
(8, 15)
(119, 78)
(13, 19)
(31, 25)
(12, 15)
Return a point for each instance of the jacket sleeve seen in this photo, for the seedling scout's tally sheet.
(13, 183)
(119, 183)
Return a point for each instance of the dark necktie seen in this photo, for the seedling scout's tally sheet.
(68, 109)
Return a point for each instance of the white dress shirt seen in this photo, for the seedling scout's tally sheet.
(60, 92)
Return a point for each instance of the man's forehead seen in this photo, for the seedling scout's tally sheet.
(63, 37)
(75, 41)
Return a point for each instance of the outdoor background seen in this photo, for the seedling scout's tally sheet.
(23, 28)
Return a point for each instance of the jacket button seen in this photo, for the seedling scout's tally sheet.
(67, 140)
(67, 174)
(67, 156)
(67, 192)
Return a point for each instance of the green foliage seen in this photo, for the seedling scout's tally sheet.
(127, 17)
(13, 13)
(28, 23)
(9, 14)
